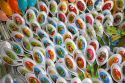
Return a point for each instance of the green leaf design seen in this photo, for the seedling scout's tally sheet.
(123, 33)
(111, 30)
(102, 43)
(106, 38)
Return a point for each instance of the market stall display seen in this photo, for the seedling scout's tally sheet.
(62, 41)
